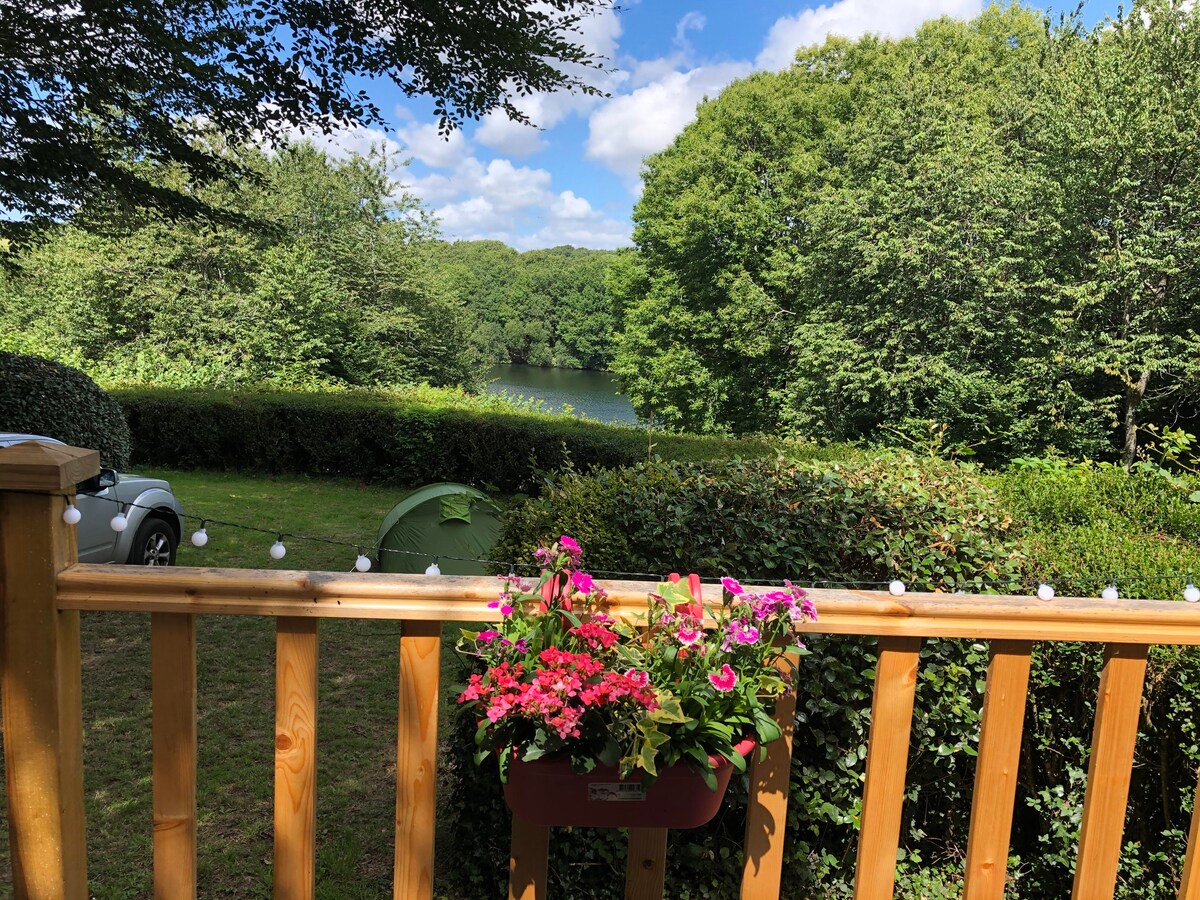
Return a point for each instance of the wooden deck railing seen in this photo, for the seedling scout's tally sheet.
(43, 592)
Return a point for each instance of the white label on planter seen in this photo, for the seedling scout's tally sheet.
(615, 790)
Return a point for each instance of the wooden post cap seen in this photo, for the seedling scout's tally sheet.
(44, 467)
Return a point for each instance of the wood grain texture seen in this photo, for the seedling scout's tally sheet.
(1189, 882)
(1118, 709)
(887, 767)
(42, 466)
(41, 686)
(996, 770)
(173, 676)
(463, 598)
(766, 816)
(295, 758)
(646, 864)
(416, 758)
(528, 860)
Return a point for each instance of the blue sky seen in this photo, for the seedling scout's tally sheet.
(575, 180)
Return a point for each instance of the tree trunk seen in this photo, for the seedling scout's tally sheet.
(1134, 392)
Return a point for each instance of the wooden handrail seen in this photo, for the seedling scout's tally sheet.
(458, 598)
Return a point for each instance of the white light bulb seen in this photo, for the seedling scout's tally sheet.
(896, 588)
(1045, 592)
(1191, 593)
(278, 551)
(200, 537)
(119, 522)
(363, 563)
(1110, 593)
(72, 515)
(433, 569)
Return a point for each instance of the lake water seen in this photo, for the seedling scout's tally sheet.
(593, 394)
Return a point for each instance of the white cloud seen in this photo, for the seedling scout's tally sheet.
(692, 21)
(425, 144)
(567, 206)
(854, 18)
(632, 126)
(342, 142)
(504, 135)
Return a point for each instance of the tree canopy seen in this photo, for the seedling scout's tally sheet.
(331, 290)
(87, 88)
(991, 224)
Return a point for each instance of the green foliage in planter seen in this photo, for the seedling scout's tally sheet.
(40, 396)
(932, 523)
(410, 437)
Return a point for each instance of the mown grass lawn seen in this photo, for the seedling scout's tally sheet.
(356, 749)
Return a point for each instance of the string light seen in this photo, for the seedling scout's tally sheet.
(363, 563)
(72, 515)
(200, 535)
(1044, 590)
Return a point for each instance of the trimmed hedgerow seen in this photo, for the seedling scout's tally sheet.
(41, 396)
(933, 524)
(387, 437)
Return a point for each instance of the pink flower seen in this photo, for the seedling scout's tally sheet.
(486, 637)
(571, 548)
(724, 680)
(743, 632)
(688, 636)
(731, 585)
(582, 582)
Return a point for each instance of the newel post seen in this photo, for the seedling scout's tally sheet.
(40, 673)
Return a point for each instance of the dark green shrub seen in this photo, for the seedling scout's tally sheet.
(938, 525)
(933, 524)
(385, 437)
(40, 396)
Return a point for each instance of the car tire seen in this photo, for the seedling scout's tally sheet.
(154, 544)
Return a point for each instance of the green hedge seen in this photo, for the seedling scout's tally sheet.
(428, 436)
(41, 396)
(934, 524)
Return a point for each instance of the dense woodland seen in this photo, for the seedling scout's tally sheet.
(334, 278)
(994, 225)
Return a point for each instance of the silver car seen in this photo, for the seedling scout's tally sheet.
(153, 512)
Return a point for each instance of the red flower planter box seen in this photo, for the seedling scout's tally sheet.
(547, 792)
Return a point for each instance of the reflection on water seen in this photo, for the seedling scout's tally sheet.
(592, 394)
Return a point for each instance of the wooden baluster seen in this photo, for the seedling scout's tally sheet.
(40, 672)
(887, 767)
(1189, 883)
(173, 676)
(766, 817)
(295, 757)
(1118, 708)
(996, 770)
(416, 754)
(528, 860)
(646, 864)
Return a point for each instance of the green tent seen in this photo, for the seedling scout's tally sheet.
(439, 522)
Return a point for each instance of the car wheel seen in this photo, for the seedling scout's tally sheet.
(154, 544)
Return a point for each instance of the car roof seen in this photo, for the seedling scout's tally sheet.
(8, 438)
